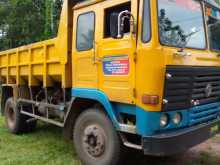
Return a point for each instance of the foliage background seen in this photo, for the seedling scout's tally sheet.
(27, 21)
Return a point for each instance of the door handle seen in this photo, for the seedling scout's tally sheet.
(95, 54)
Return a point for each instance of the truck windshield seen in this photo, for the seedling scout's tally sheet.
(181, 23)
(213, 22)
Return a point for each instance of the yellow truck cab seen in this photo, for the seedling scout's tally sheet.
(143, 74)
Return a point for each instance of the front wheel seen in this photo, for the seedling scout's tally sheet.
(96, 140)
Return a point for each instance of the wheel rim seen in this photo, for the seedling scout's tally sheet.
(11, 117)
(94, 139)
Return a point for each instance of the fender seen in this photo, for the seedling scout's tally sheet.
(99, 96)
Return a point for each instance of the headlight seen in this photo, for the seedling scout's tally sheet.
(164, 119)
(177, 118)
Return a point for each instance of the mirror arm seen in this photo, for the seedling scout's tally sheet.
(119, 23)
(121, 19)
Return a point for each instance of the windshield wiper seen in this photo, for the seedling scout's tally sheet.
(187, 39)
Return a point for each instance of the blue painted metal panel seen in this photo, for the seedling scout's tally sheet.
(148, 123)
(99, 96)
(124, 108)
(204, 113)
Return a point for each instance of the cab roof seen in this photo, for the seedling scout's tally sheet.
(84, 3)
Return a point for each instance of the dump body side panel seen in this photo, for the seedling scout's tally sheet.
(43, 63)
(33, 65)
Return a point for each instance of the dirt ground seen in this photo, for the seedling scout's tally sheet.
(207, 153)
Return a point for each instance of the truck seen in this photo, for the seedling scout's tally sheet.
(139, 74)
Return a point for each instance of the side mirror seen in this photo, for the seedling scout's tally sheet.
(117, 23)
(115, 27)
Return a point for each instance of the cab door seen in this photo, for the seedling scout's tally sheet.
(85, 74)
(117, 56)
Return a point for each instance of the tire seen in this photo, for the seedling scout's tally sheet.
(93, 130)
(15, 121)
(30, 127)
(6, 92)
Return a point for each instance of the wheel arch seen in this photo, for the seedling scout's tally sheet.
(84, 99)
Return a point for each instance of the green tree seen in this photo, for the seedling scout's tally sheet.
(27, 21)
(48, 18)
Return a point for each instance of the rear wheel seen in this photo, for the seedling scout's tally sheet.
(96, 140)
(15, 121)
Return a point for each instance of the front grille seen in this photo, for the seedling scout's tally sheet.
(203, 114)
(186, 87)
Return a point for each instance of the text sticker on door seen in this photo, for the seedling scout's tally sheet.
(116, 65)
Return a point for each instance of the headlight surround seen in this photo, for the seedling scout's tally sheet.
(164, 119)
(177, 118)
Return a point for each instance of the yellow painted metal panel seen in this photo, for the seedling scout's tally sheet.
(37, 70)
(12, 71)
(51, 55)
(23, 71)
(3, 71)
(39, 60)
(119, 88)
(84, 69)
(22, 57)
(3, 60)
(152, 59)
(37, 55)
(12, 59)
(52, 69)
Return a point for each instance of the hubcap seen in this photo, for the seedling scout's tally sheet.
(11, 117)
(94, 140)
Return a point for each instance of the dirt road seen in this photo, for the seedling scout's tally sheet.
(207, 153)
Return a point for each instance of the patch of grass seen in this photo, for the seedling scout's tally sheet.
(217, 138)
(44, 146)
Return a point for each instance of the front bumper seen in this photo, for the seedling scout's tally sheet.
(165, 144)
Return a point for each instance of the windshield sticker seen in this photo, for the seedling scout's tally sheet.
(212, 12)
(116, 65)
(188, 4)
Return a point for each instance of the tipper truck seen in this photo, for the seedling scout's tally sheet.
(140, 74)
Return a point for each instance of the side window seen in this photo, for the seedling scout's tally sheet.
(85, 31)
(116, 9)
(146, 32)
